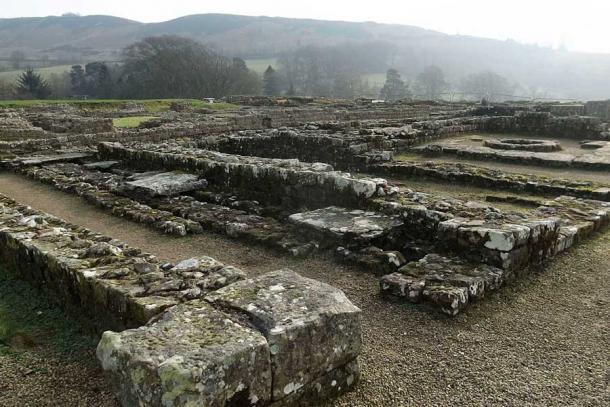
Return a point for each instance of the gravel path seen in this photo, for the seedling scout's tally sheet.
(543, 341)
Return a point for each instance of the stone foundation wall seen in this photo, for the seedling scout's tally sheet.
(340, 151)
(544, 123)
(494, 179)
(71, 124)
(290, 183)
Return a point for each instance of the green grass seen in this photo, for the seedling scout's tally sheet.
(128, 122)
(27, 319)
(11, 76)
(151, 105)
(259, 65)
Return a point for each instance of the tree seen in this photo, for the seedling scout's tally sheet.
(77, 80)
(394, 87)
(244, 80)
(17, 58)
(487, 85)
(271, 82)
(431, 82)
(31, 85)
(176, 67)
(98, 80)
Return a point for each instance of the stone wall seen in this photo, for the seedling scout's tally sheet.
(493, 179)
(56, 123)
(276, 339)
(289, 183)
(544, 123)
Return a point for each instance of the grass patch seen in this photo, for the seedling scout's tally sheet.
(28, 320)
(130, 122)
(151, 105)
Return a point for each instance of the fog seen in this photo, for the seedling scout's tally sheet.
(576, 26)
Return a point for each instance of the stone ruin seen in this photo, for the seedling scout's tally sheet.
(301, 178)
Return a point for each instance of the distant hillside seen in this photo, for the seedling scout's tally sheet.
(565, 74)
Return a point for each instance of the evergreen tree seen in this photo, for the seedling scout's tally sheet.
(271, 82)
(394, 87)
(77, 80)
(31, 85)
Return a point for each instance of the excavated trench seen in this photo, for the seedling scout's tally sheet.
(416, 357)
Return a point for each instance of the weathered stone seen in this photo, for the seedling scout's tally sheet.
(101, 165)
(451, 300)
(400, 285)
(54, 158)
(192, 355)
(345, 225)
(165, 184)
(311, 327)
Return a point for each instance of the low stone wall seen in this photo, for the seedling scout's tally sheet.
(598, 160)
(291, 183)
(340, 151)
(494, 179)
(544, 123)
(57, 123)
(277, 339)
(507, 250)
(508, 241)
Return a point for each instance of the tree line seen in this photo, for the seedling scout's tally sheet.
(156, 67)
(176, 67)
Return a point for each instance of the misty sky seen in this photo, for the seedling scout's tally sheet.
(578, 25)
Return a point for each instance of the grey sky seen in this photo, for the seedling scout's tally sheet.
(579, 25)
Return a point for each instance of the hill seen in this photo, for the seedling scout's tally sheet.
(559, 73)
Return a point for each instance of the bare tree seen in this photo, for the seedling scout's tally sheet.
(487, 85)
(431, 82)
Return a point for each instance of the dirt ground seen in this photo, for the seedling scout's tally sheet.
(543, 341)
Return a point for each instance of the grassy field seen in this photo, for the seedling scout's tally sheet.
(261, 64)
(151, 105)
(11, 76)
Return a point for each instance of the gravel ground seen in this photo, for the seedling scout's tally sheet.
(542, 341)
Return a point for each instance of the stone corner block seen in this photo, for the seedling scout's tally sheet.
(311, 327)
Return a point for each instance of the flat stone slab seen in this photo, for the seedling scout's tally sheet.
(346, 224)
(311, 327)
(165, 184)
(192, 355)
(52, 158)
(593, 145)
(101, 165)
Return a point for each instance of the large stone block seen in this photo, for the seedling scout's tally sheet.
(343, 225)
(311, 327)
(165, 184)
(192, 355)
